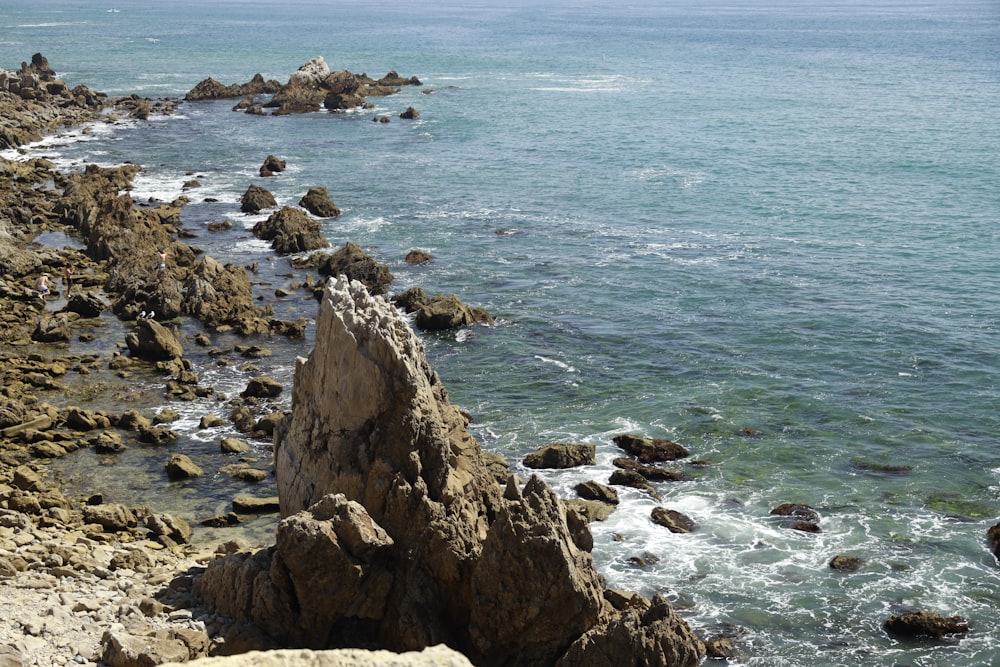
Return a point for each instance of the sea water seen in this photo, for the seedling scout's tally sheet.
(767, 230)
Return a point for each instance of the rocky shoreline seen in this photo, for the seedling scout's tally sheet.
(103, 583)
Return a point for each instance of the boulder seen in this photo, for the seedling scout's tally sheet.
(674, 521)
(263, 387)
(221, 297)
(993, 537)
(926, 625)
(351, 261)
(797, 517)
(599, 492)
(112, 517)
(650, 472)
(272, 165)
(317, 201)
(417, 256)
(153, 342)
(180, 466)
(256, 199)
(51, 330)
(440, 312)
(397, 535)
(291, 230)
(650, 450)
(210, 89)
(86, 304)
(561, 455)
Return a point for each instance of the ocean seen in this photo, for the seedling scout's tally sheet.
(767, 230)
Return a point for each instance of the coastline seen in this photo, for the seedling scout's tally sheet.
(81, 567)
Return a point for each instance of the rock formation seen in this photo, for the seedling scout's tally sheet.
(420, 543)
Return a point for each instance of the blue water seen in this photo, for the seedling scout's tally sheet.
(690, 219)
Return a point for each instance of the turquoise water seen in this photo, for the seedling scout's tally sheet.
(690, 219)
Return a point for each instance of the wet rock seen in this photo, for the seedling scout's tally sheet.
(51, 330)
(846, 563)
(211, 421)
(591, 510)
(650, 472)
(925, 624)
(650, 450)
(153, 342)
(317, 201)
(674, 521)
(416, 256)
(594, 491)
(210, 89)
(561, 455)
(234, 446)
(170, 529)
(798, 517)
(410, 114)
(291, 230)
(252, 505)
(262, 387)
(272, 165)
(180, 466)
(634, 480)
(87, 304)
(256, 199)
(993, 537)
(351, 261)
(439, 312)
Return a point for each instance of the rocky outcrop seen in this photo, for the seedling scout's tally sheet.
(256, 199)
(210, 89)
(380, 481)
(291, 230)
(439, 312)
(923, 624)
(317, 201)
(351, 261)
(314, 87)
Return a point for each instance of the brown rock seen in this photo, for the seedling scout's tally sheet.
(925, 624)
(351, 261)
(180, 466)
(272, 165)
(560, 455)
(317, 201)
(650, 450)
(674, 521)
(416, 256)
(153, 342)
(291, 230)
(256, 199)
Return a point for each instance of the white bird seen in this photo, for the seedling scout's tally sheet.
(142, 315)
(151, 315)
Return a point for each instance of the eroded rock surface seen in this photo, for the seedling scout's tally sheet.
(379, 480)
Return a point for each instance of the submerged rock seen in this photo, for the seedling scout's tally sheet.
(380, 481)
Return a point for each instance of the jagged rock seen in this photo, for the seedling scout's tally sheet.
(925, 624)
(153, 342)
(410, 114)
(169, 528)
(650, 450)
(351, 261)
(634, 480)
(317, 201)
(561, 455)
(222, 298)
(210, 89)
(291, 230)
(379, 480)
(256, 199)
(234, 446)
